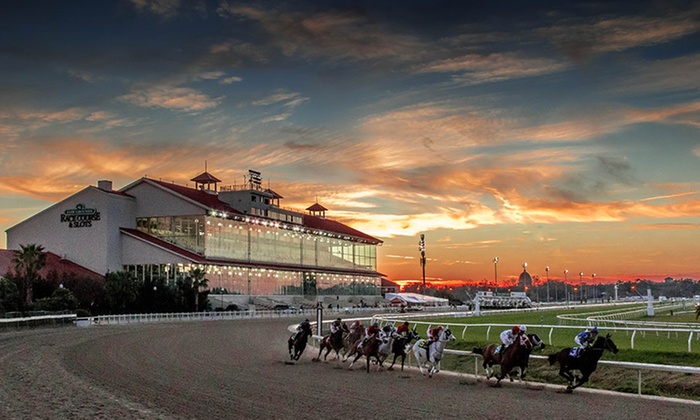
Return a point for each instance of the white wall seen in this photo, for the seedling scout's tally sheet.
(152, 200)
(95, 245)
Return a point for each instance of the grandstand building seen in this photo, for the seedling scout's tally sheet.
(248, 244)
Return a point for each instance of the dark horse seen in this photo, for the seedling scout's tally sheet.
(515, 356)
(333, 342)
(586, 363)
(297, 342)
(369, 349)
(399, 347)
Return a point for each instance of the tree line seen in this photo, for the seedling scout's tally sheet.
(23, 290)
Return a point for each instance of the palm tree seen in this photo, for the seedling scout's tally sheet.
(198, 281)
(28, 261)
(122, 290)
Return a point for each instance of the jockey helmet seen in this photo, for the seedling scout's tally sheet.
(594, 330)
(357, 322)
(338, 319)
(387, 328)
(376, 324)
(523, 328)
(516, 330)
(405, 323)
(306, 320)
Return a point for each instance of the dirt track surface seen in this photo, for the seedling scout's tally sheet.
(237, 369)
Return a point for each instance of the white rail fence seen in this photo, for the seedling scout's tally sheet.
(639, 367)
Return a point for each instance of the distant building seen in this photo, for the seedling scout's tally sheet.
(525, 280)
(248, 244)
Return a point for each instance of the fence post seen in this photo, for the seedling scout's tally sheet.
(632, 339)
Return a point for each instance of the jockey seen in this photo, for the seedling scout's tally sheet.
(370, 331)
(508, 337)
(305, 324)
(586, 338)
(355, 326)
(433, 336)
(403, 329)
(335, 326)
(386, 331)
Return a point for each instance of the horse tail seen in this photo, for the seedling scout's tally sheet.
(552, 358)
(478, 350)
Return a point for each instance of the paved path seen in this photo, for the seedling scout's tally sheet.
(237, 369)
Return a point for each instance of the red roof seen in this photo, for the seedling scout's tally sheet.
(53, 263)
(212, 201)
(205, 178)
(202, 197)
(316, 207)
(274, 194)
(337, 227)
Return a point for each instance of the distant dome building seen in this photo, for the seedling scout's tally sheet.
(525, 280)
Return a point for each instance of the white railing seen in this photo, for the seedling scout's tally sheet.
(639, 367)
(31, 321)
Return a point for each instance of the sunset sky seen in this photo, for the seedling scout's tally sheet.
(543, 132)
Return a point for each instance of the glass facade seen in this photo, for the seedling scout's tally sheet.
(264, 281)
(312, 256)
(215, 237)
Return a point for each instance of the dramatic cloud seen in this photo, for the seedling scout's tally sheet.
(176, 98)
(475, 68)
(333, 35)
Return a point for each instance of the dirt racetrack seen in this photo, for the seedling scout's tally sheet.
(237, 370)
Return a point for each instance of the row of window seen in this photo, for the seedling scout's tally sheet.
(220, 238)
(264, 282)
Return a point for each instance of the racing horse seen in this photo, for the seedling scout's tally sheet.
(333, 342)
(297, 342)
(586, 362)
(369, 349)
(352, 338)
(432, 364)
(491, 357)
(399, 347)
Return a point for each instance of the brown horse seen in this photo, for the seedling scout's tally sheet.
(297, 342)
(516, 355)
(356, 333)
(333, 342)
(369, 349)
(586, 362)
(399, 347)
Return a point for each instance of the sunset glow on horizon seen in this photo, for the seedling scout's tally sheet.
(564, 136)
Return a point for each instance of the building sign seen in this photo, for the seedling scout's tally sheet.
(80, 217)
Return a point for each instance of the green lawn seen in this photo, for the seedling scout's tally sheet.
(649, 347)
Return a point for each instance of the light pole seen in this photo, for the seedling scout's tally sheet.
(595, 288)
(580, 282)
(421, 248)
(495, 274)
(566, 287)
(546, 269)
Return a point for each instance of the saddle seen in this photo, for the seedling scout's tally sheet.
(425, 344)
(576, 352)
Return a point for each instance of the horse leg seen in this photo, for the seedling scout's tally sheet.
(567, 375)
(418, 362)
(581, 381)
(392, 362)
(357, 356)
